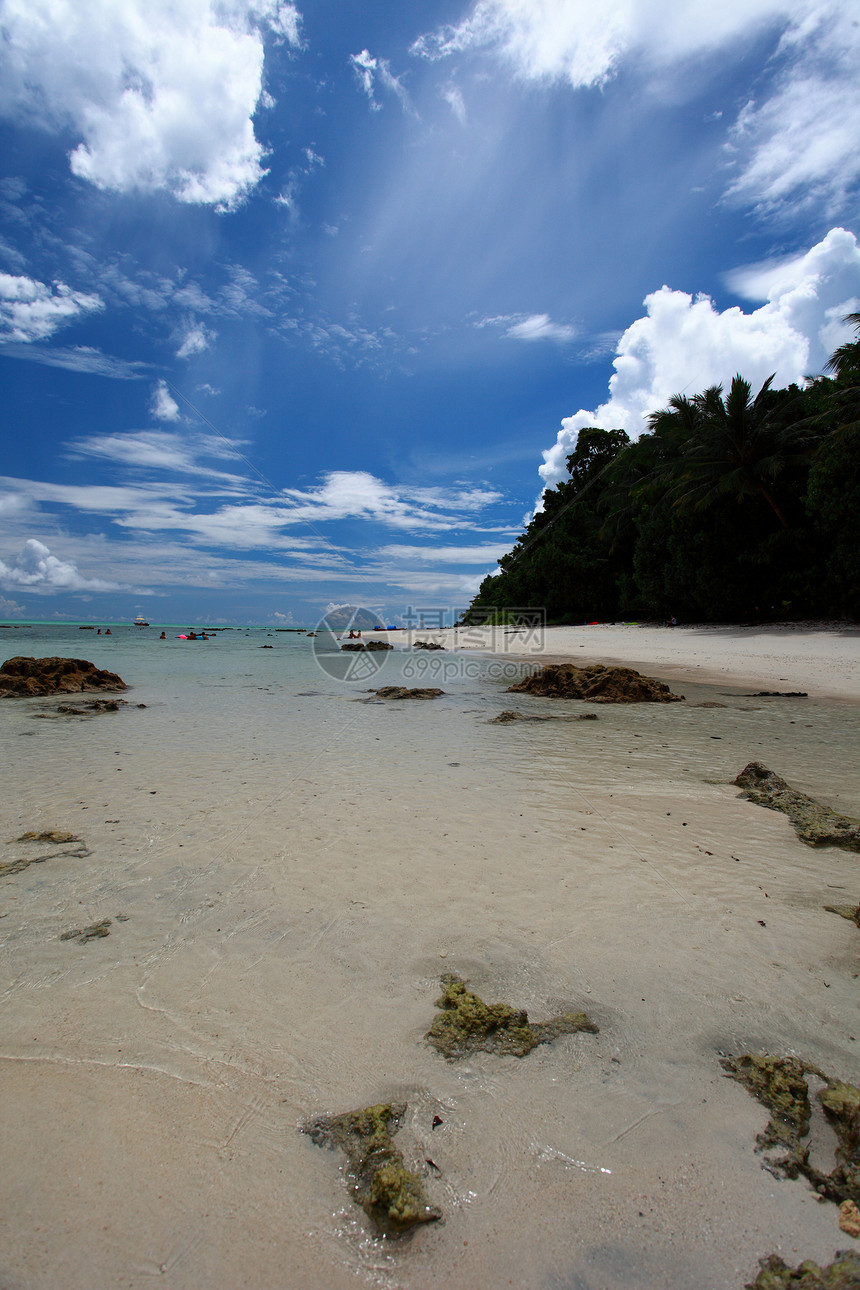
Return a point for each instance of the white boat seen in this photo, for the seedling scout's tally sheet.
(140, 621)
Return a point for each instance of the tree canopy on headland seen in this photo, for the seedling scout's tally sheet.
(732, 506)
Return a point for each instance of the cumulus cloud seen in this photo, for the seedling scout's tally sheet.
(31, 310)
(795, 143)
(9, 609)
(163, 405)
(35, 568)
(684, 344)
(161, 93)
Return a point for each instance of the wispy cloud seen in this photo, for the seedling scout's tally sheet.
(530, 327)
(371, 72)
(793, 144)
(80, 358)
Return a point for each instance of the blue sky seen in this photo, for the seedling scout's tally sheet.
(303, 304)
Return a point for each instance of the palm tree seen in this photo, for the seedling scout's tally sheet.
(844, 362)
(734, 446)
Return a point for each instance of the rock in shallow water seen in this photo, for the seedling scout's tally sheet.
(599, 684)
(813, 823)
(467, 1025)
(780, 1084)
(22, 677)
(842, 1274)
(389, 1193)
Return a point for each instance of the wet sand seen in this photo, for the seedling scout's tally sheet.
(296, 871)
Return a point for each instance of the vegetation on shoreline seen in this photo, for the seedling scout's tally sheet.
(732, 506)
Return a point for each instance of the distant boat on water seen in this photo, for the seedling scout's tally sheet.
(140, 621)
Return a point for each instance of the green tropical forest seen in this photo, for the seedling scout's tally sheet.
(733, 506)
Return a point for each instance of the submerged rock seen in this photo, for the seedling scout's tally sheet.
(504, 718)
(813, 823)
(849, 1218)
(389, 1193)
(467, 1025)
(74, 845)
(404, 692)
(91, 933)
(851, 912)
(23, 677)
(598, 684)
(780, 1084)
(842, 1274)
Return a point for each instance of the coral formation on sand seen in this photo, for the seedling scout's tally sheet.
(780, 1084)
(813, 823)
(389, 1193)
(466, 1025)
(842, 1274)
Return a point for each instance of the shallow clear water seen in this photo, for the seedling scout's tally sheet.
(295, 869)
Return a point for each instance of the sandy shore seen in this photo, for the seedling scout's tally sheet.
(820, 660)
(289, 872)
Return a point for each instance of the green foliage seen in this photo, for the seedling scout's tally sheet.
(731, 506)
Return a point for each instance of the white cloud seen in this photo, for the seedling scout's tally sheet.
(30, 310)
(487, 554)
(160, 451)
(684, 344)
(37, 569)
(79, 358)
(453, 96)
(9, 609)
(163, 405)
(370, 71)
(584, 43)
(530, 327)
(160, 92)
(196, 340)
(796, 144)
(799, 146)
(359, 495)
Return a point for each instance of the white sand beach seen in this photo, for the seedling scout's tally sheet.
(289, 872)
(823, 660)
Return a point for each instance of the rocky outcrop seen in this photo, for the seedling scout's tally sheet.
(389, 1193)
(427, 645)
(25, 677)
(598, 684)
(366, 646)
(467, 1025)
(813, 823)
